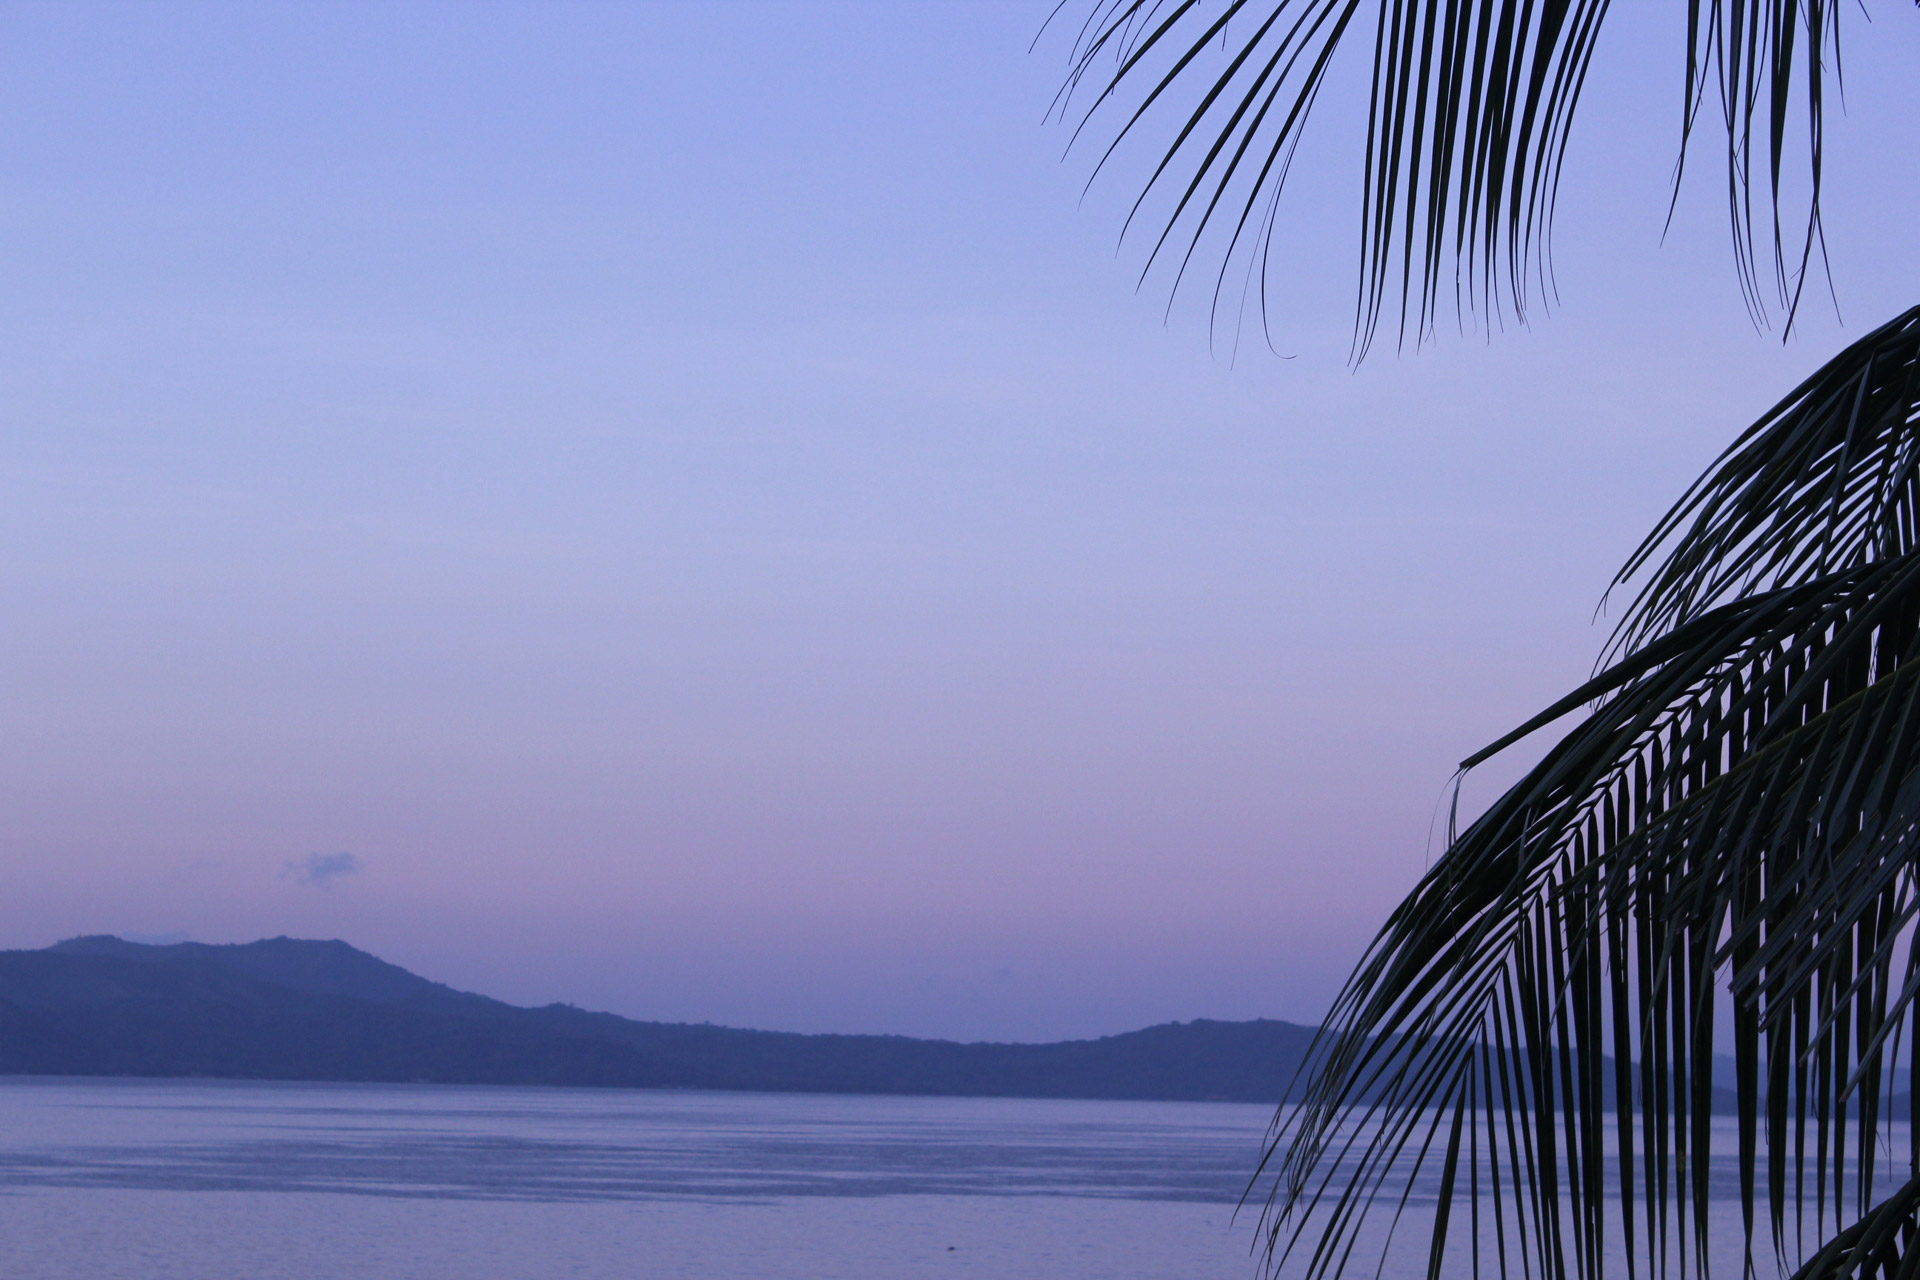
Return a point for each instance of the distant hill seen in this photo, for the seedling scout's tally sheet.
(319, 968)
(287, 1009)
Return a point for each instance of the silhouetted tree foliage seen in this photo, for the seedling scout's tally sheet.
(1722, 850)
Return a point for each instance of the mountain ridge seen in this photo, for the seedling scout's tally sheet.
(286, 1008)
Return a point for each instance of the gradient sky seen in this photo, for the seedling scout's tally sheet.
(681, 508)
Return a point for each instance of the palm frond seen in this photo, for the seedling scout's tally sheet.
(1472, 103)
(1879, 1245)
(1827, 480)
(1730, 833)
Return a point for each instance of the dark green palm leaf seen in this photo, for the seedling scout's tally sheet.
(1472, 102)
(1729, 833)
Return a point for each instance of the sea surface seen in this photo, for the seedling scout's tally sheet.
(234, 1180)
(212, 1180)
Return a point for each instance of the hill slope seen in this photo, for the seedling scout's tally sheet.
(288, 1009)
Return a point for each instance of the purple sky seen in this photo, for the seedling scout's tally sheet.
(689, 500)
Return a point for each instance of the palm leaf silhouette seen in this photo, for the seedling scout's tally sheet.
(1471, 107)
(1721, 850)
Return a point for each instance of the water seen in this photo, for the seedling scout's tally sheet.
(210, 1180)
(278, 1181)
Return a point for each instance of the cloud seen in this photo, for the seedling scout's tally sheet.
(322, 869)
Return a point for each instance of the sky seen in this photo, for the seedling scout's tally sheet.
(689, 509)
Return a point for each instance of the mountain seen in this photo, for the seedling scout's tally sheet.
(319, 968)
(289, 1009)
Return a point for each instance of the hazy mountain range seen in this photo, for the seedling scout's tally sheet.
(287, 1009)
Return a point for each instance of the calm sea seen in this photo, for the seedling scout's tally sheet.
(258, 1181)
(224, 1180)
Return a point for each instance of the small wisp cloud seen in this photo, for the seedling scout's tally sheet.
(319, 870)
